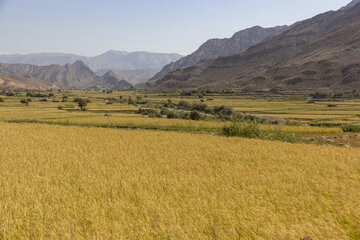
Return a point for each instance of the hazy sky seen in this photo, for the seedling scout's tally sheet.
(90, 27)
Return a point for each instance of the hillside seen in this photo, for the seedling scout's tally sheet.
(112, 59)
(71, 76)
(134, 67)
(215, 48)
(12, 82)
(132, 76)
(318, 54)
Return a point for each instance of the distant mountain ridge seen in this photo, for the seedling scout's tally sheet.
(132, 76)
(70, 76)
(318, 54)
(215, 48)
(112, 59)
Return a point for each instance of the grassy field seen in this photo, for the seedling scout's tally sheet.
(76, 175)
(92, 183)
(122, 115)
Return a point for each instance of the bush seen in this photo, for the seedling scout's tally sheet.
(202, 107)
(351, 128)
(195, 115)
(43, 100)
(1, 100)
(222, 110)
(152, 113)
(172, 115)
(242, 129)
(185, 105)
(164, 111)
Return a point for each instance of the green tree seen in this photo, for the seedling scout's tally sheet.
(25, 101)
(82, 103)
(195, 115)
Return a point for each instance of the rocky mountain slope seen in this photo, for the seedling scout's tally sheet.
(215, 48)
(318, 54)
(112, 59)
(71, 76)
(13, 82)
(135, 67)
(132, 76)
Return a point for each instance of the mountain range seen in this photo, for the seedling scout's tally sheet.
(70, 76)
(215, 48)
(318, 54)
(132, 66)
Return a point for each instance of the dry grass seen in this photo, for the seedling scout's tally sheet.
(87, 183)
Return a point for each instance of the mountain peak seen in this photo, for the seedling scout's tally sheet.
(109, 73)
(79, 63)
(215, 48)
(352, 4)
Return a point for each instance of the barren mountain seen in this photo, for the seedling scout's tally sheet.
(215, 48)
(132, 76)
(318, 54)
(117, 60)
(11, 82)
(71, 76)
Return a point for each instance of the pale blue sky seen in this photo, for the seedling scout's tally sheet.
(90, 27)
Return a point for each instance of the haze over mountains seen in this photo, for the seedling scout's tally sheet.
(138, 66)
(318, 54)
(70, 76)
(215, 48)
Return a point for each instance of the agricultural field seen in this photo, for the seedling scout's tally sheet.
(65, 182)
(120, 169)
(113, 110)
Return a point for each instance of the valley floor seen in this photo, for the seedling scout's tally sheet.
(87, 183)
(101, 174)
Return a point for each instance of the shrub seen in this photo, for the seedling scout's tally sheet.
(43, 100)
(172, 115)
(1, 100)
(195, 115)
(222, 110)
(202, 107)
(164, 111)
(185, 105)
(351, 128)
(242, 129)
(60, 107)
(152, 113)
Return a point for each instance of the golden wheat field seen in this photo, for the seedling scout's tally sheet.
(61, 182)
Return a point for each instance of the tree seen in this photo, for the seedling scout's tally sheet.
(82, 103)
(25, 101)
(195, 115)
